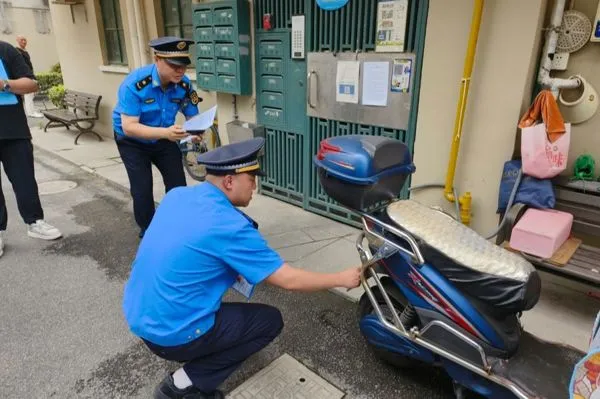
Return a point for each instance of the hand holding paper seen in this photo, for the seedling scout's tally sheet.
(200, 122)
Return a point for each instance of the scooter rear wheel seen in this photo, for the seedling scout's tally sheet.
(365, 308)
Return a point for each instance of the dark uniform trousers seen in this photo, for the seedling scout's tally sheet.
(240, 330)
(16, 156)
(138, 158)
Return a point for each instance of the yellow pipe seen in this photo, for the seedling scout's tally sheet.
(464, 200)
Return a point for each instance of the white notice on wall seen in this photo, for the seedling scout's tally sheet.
(346, 83)
(391, 25)
(375, 84)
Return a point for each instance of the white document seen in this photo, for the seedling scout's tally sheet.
(375, 84)
(201, 122)
(391, 25)
(346, 83)
(243, 287)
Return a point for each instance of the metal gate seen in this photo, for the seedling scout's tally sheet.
(292, 136)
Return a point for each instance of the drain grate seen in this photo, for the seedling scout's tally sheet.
(286, 378)
(56, 186)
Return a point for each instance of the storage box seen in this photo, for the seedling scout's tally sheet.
(541, 232)
(361, 171)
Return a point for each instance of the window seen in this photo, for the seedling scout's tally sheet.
(5, 18)
(42, 21)
(113, 32)
(177, 17)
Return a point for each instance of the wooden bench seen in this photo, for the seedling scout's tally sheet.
(582, 200)
(80, 111)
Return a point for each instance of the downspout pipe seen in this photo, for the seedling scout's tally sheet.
(544, 79)
(464, 200)
(133, 31)
(141, 32)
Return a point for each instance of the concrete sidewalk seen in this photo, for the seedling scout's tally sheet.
(564, 313)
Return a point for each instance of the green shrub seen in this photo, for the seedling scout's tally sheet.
(56, 68)
(56, 94)
(47, 80)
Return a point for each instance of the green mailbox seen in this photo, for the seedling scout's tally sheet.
(222, 40)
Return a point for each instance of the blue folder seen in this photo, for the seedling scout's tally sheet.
(6, 98)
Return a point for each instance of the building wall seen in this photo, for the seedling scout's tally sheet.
(584, 136)
(80, 50)
(41, 47)
(500, 91)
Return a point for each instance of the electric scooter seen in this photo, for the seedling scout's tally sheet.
(436, 292)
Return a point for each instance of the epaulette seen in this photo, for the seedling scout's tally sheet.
(185, 85)
(144, 82)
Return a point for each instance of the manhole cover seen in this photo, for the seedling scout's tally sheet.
(56, 186)
(286, 378)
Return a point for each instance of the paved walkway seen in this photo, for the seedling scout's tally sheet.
(564, 313)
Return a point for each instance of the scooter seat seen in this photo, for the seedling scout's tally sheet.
(497, 277)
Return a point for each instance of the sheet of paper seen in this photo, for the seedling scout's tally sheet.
(347, 78)
(243, 287)
(401, 75)
(201, 122)
(6, 98)
(375, 84)
(391, 25)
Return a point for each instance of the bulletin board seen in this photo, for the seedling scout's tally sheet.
(367, 88)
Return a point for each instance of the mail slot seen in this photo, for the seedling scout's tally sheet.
(204, 50)
(205, 65)
(224, 33)
(206, 81)
(271, 48)
(273, 115)
(203, 17)
(226, 66)
(204, 34)
(272, 66)
(272, 83)
(224, 50)
(227, 82)
(223, 16)
(270, 99)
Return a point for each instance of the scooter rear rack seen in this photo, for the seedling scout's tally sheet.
(415, 334)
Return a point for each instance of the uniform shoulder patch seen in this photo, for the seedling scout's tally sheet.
(143, 83)
(194, 97)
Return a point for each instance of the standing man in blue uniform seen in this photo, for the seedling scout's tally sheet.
(144, 122)
(199, 245)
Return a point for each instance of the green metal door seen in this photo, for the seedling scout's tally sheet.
(292, 136)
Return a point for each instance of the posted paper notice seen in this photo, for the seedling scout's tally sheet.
(391, 25)
(346, 83)
(375, 84)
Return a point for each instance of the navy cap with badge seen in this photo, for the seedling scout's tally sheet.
(231, 159)
(174, 50)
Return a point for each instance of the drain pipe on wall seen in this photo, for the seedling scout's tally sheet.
(135, 43)
(141, 32)
(544, 79)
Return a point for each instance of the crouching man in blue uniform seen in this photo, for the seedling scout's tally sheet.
(198, 244)
(144, 122)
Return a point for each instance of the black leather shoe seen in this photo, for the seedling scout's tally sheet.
(167, 390)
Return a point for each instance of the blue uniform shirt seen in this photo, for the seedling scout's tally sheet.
(141, 95)
(195, 247)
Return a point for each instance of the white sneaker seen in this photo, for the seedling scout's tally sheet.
(41, 229)
(1, 244)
